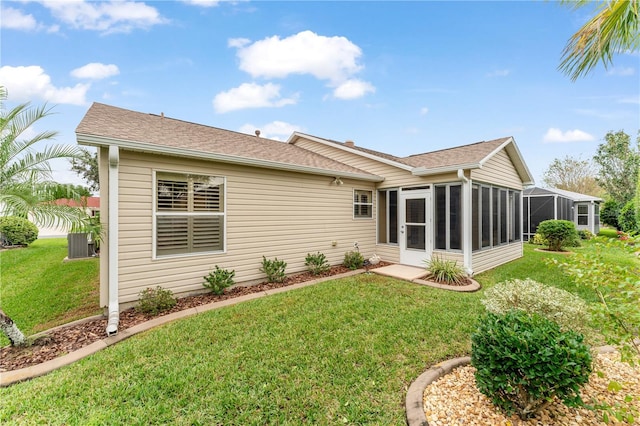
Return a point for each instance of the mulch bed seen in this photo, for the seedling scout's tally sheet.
(68, 339)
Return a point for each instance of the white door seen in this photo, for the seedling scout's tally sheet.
(415, 229)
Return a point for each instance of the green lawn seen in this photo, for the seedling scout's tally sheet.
(40, 291)
(340, 352)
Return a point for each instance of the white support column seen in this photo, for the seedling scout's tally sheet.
(467, 249)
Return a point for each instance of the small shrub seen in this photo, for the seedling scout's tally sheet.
(524, 360)
(538, 239)
(558, 233)
(274, 269)
(155, 300)
(446, 271)
(317, 263)
(219, 279)
(353, 260)
(585, 234)
(17, 231)
(560, 306)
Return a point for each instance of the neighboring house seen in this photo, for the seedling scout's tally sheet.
(179, 198)
(552, 203)
(91, 205)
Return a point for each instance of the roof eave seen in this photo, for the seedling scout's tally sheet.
(429, 171)
(292, 139)
(98, 141)
(517, 159)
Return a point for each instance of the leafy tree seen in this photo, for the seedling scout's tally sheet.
(572, 174)
(86, 166)
(71, 191)
(609, 214)
(614, 29)
(26, 186)
(619, 163)
(627, 218)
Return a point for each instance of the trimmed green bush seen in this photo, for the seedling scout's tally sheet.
(17, 231)
(445, 271)
(219, 279)
(560, 306)
(558, 233)
(155, 300)
(627, 218)
(353, 260)
(274, 269)
(609, 213)
(317, 263)
(585, 234)
(524, 360)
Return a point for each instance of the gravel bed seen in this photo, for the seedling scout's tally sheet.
(454, 399)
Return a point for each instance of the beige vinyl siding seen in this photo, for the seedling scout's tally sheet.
(499, 170)
(271, 213)
(388, 252)
(490, 258)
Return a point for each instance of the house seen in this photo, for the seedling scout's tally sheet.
(179, 198)
(552, 203)
(91, 206)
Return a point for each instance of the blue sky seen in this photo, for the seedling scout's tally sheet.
(399, 77)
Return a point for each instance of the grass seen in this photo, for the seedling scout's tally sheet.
(39, 291)
(340, 352)
(343, 351)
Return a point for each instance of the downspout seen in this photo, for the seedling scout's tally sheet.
(114, 307)
(466, 222)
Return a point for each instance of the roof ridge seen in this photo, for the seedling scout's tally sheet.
(458, 147)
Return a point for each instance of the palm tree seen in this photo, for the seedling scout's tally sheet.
(26, 186)
(614, 29)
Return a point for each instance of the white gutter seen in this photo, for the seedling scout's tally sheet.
(429, 171)
(466, 222)
(114, 308)
(98, 141)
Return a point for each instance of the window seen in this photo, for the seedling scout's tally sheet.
(495, 216)
(596, 214)
(583, 214)
(448, 217)
(189, 214)
(388, 216)
(362, 204)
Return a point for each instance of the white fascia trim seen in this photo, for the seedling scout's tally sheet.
(96, 141)
(296, 135)
(427, 171)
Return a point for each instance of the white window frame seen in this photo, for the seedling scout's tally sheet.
(447, 217)
(155, 214)
(359, 203)
(578, 214)
(387, 213)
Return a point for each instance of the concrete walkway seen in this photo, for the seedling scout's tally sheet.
(402, 272)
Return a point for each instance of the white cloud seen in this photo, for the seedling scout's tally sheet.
(499, 73)
(623, 72)
(353, 89)
(557, 135)
(16, 20)
(107, 17)
(96, 71)
(326, 58)
(251, 95)
(202, 3)
(238, 42)
(27, 83)
(277, 130)
(629, 100)
(424, 111)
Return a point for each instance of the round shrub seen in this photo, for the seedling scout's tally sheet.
(17, 231)
(560, 306)
(627, 218)
(523, 361)
(558, 233)
(353, 260)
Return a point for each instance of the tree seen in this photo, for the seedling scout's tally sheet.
(26, 186)
(614, 29)
(70, 191)
(86, 166)
(572, 174)
(618, 163)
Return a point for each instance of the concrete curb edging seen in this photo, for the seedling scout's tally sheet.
(10, 377)
(474, 286)
(413, 404)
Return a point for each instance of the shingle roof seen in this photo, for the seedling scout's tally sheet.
(466, 154)
(150, 130)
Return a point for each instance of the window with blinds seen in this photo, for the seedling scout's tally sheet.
(362, 204)
(189, 214)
